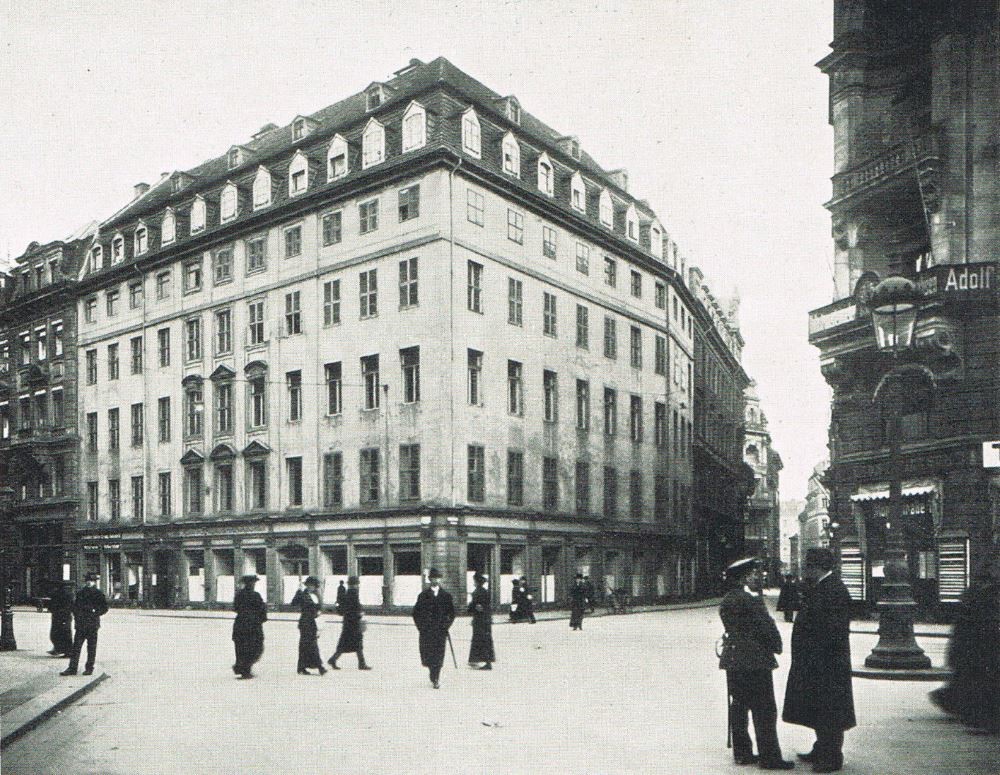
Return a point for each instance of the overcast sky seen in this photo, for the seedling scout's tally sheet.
(715, 108)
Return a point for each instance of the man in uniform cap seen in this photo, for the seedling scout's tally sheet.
(750, 643)
(89, 606)
(433, 614)
(248, 628)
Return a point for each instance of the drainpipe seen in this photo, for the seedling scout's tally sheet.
(451, 315)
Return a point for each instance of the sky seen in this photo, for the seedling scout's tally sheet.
(716, 110)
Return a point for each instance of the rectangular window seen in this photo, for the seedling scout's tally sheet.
(582, 487)
(192, 338)
(635, 347)
(333, 479)
(610, 272)
(610, 411)
(408, 283)
(41, 410)
(135, 295)
(582, 327)
(293, 381)
(333, 228)
(223, 408)
(550, 484)
(90, 310)
(192, 276)
(194, 489)
(475, 206)
(138, 498)
(515, 226)
(298, 181)
(635, 495)
(610, 338)
(24, 413)
(370, 380)
(660, 424)
(409, 203)
(293, 313)
(610, 491)
(256, 255)
(334, 388)
(91, 367)
(368, 290)
(660, 356)
(91, 431)
(409, 361)
(257, 386)
(476, 482)
(163, 286)
(368, 216)
(548, 242)
(111, 297)
(475, 286)
(635, 418)
(515, 478)
(549, 321)
(582, 258)
(58, 409)
(163, 418)
(515, 388)
(550, 388)
(223, 332)
(369, 472)
(112, 361)
(257, 484)
(660, 496)
(475, 369)
(115, 498)
(138, 425)
(57, 340)
(92, 506)
(224, 487)
(113, 429)
(135, 345)
(515, 302)
(636, 287)
(255, 322)
(222, 265)
(409, 472)
(293, 468)
(293, 241)
(41, 344)
(660, 295)
(164, 495)
(582, 405)
(163, 346)
(331, 302)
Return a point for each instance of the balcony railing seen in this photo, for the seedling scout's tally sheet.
(900, 157)
(832, 315)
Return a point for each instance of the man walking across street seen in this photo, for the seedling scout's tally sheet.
(819, 692)
(750, 643)
(352, 634)
(88, 608)
(248, 628)
(433, 614)
(61, 630)
(577, 602)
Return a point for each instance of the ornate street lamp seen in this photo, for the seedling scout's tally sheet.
(894, 304)
(7, 641)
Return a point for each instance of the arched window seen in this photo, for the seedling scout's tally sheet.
(141, 239)
(372, 144)
(414, 127)
(96, 258)
(117, 249)
(546, 175)
(471, 137)
(511, 155)
(198, 214)
(262, 188)
(168, 229)
(227, 202)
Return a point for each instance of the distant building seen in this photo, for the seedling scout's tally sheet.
(814, 519)
(794, 565)
(762, 530)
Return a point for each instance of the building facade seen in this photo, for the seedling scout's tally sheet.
(913, 105)
(762, 530)
(39, 441)
(814, 519)
(417, 328)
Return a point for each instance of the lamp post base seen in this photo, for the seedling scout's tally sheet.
(897, 649)
(7, 641)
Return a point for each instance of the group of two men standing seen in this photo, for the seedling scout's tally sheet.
(818, 694)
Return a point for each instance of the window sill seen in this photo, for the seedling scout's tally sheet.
(258, 346)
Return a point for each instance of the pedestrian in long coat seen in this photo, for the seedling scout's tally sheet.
(352, 633)
(588, 586)
(248, 629)
(340, 595)
(89, 606)
(577, 602)
(433, 614)
(789, 598)
(748, 657)
(516, 613)
(526, 608)
(481, 652)
(307, 599)
(819, 692)
(61, 628)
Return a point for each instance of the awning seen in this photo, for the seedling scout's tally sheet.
(880, 491)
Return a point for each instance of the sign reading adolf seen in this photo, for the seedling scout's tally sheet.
(960, 282)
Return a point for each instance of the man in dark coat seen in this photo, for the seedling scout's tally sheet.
(516, 613)
(481, 651)
(789, 597)
(819, 692)
(352, 634)
(61, 629)
(248, 628)
(577, 602)
(433, 614)
(588, 586)
(340, 595)
(89, 606)
(750, 643)
(526, 608)
(307, 599)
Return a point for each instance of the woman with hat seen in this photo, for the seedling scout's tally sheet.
(352, 634)
(248, 629)
(481, 651)
(307, 599)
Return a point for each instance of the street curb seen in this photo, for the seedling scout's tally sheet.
(26, 717)
(937, 674)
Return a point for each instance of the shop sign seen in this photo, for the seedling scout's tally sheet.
(960, 282)
(991, 454)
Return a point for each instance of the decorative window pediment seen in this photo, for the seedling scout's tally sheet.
(192, 379)
(336, 158)
(229, 202)
(471, 134)
(578, 193)
(198, 214)
(606, 210)
(372, 144)
(255, 367)
(192, 458)
(262, 188)
(632, 223)
(414, 127)
(168, 229)
(546, 175)
(256, 449)
(511, 151)
(223, 452)
(222, 373)
(298, 174)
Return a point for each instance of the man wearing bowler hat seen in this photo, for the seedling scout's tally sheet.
(248, 629)
(433, 614)
(749, 645)
(89, 606)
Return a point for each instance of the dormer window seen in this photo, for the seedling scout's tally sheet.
(262, 188)
(198, 214)
(228, 202)
(298, 175)
(606, 211)
(578, 193)
(546, 175)
(574, 148)
(117, 249)
(336, 158)
(372, 144)
(511, 155)
(632, 224)
(374, 96)
(96, 258)
(168, 229)
(176, 183)
(513, 110)
(414, 127)
(656, 240)
(298, 129)
(471, 142)
(141, 240)
(234, 158)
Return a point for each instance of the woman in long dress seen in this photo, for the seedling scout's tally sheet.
(307, 599)
(481, 652)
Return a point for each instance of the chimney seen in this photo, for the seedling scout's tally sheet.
(619, 178)
(140, 189)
